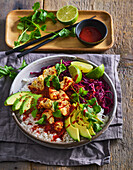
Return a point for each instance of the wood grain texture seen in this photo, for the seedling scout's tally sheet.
(6, 7)
(121, 11)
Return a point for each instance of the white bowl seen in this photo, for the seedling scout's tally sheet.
(36, 66)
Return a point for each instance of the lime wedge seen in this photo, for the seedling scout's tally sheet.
(84, 67)
(67, 14)
(75, 73)
(96, 73)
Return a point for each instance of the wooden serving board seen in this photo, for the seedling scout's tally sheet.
(61, 44)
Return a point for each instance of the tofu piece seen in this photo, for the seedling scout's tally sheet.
(49, 71)
(63, 95)
(37, 85)
(50, 117)
(58, 126)
(45, 103)
(66, 83)
(53, 94)
(64, 107)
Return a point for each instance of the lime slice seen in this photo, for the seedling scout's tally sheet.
(84, 67)
(67, 14)
(96, 73)
(75, 73)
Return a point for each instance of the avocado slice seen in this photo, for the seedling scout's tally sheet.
(82, 128)
(17, 104)
(26, 105)
(83, 121)
(72, 131)
(11, 99)
(34, 109)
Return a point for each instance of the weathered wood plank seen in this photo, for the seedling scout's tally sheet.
(121, 14)
(6, 7)
(15, 166)
(121, 150)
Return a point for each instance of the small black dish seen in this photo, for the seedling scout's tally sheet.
(100, 26)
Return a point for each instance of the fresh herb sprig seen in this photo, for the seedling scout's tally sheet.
(60, 68)
(42, 121)
(32, 23)
(57, 112)
(65, 33)
(76, 95)
(10, 71)
(55, 79)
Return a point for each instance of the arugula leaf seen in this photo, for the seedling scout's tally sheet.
(41, 121)
(47, 80)
(55, 82)
(36, 6)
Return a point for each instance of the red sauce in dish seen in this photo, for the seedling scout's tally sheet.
(90, 34)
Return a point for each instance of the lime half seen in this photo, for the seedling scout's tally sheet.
(84, 67)
(67, 14)
(96, 73)
(75, 73)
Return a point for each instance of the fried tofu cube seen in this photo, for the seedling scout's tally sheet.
(63, 95)
(50, 117)
(64, 107)
(49, 71)
(53, 94)
(37, 84)
(66, 83)
(58, 126)
(45, 103)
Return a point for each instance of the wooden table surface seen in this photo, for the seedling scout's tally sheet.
(121, 11)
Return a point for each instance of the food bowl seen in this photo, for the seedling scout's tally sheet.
(36, 66)
(91, 32)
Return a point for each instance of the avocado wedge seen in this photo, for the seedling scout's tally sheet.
(17, 104)
(34, 109)
(11, 99)
(82, 128)
(72, 131)
(26, 105)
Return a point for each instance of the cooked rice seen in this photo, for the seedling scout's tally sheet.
(39, 132)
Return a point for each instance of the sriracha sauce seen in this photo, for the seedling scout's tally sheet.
(90, 34)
